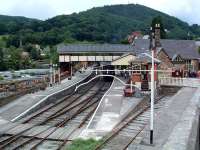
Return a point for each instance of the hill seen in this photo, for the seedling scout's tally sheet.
(13, 24)
(102, 24)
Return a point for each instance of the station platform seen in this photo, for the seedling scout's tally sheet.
(111, 110)
(12, 110)
(176, 124)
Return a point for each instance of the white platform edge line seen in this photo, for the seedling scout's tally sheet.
(99, 105)
(45, 98)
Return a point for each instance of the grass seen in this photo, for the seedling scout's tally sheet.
(81, 144)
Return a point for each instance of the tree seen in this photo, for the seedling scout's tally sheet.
(3, 29)
(54, 55)
(2, 63)
(14, 59)
(158, 20)
(13, 40)
(178, 33)
(195, 28)
(35, 54)
(25, 63)
(199, 49)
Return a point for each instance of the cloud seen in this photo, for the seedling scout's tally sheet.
(29, 8)
(187, 10)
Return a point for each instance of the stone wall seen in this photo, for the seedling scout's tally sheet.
(165, 60)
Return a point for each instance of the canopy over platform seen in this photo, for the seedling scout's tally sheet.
(130, 58)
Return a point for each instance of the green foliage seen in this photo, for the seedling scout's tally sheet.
(179, 33)
(10, 24)
(199, 50)
(125, 41)
(14, 58)
(54, 55)
(195, 29)
(1, 78)
(25, 63)
(81, 144)
(2, 63)
(102, 24)
(3, 41)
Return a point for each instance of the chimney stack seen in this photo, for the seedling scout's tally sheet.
(157, 35)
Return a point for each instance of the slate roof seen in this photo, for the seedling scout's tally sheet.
(187, 49)
(94, 48)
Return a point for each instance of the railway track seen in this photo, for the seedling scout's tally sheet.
(73, 111)
(62, 105)
(128, 131)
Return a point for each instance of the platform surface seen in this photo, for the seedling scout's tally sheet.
(166, 120)
(18, 106)
(113, 107)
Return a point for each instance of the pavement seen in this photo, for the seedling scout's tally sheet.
(171, 120)
(111, 110)
(22, 104)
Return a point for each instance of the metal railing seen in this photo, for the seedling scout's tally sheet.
(188, 82)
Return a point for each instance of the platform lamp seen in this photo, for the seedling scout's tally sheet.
(54, 72)
(51, 71)
(59, 72)
(151, 48)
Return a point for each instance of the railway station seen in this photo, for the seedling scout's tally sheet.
(134, 96)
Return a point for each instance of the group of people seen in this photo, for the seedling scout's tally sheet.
(187, 74)
(125, 74)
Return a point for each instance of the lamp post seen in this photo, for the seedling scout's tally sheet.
(59, 72)
(51, 71)
(71, 71)
(151, 47)
(54, 72)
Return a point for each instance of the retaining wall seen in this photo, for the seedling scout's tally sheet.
(185, 135)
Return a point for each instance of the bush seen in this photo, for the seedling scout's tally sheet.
(199, 50)
(1, 78)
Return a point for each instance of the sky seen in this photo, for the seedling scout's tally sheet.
(186, 10)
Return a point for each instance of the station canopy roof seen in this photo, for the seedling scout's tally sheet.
(94, 48)
(127, 59)
(187, 49)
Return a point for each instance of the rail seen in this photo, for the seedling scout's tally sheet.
(47, 97)
(97, 76)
